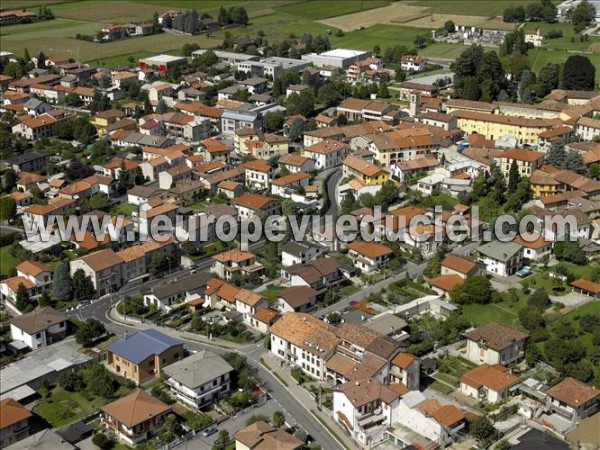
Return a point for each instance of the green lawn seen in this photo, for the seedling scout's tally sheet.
(504, 312)
(272, 292)
(563, 43)
(7, 261)
(348, 290)
(539, 57)
(442, 388)
(469, 7)
(123, 209)
(573, 318)
(64, 407)
(324, 9)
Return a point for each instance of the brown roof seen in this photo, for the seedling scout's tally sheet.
(539, 242)
(458, 263)
(293, 160)
(248, 297)
(297, 296)
(258, 165)
(504, 119)
(306, 332)
(586, 285)
(573, 392)
(495, 377)
(253, 201)
(362, 392)
(215, 146)
(221, 289)
(446, 415)
(33, 268)
(326, 146)
(523, 155)
(496, 336)
(102, 259)
(446, 282)
(262, 436)
(369, 249)
(290, 178)
(38, 320)
(136, 408)
(419, 163)
(12, 412)
(362, 166)
(266, 315)
(236, 255)
(403, 360)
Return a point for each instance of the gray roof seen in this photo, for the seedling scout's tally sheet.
(198, 369)
(500, 251)
(45, 439)
(142, 345)
(26, 157)
(192, 283)
(386, 324)
(298, 248)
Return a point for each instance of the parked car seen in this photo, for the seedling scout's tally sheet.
(525, 271)
(209, 431)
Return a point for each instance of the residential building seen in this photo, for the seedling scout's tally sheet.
(168, 295)
(413, 63)
(490, 383)
(321, 274)
(289, 184)
(573, 399)
(327, 153)
(495, 343)
(297, 163)
(143, 355)
(296, 299)
(406, 369)
(370, 174)
(236, 262)
(495, 126)
(258, 174)
(163, 63)
(527, 161)
(587, 128)
(300, 252)
(14, 422)
(364, 408)
(369, 256)
(170, 177)
(104, 268)
(263, 319)
(35, 128)
(248, 205)
(535, 250)
(39, 328)
(461, 266)
(501, 258)
(199, 379)
(535, 37)
(249, 303)
(136, 417)
(262, 436)
(586, 287)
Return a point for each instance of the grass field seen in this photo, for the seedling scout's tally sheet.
(539, 57)
(396, 13)
(7, 261)
(323, 9)
(438, 21)
(469, 7)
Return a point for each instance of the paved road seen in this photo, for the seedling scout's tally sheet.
(332, 183)
(254, 352)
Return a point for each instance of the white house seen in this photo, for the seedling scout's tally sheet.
(39, 274)
(286, 185)
(413, 63)
(258, 174)
(248, 304)
(199, 379)
(406, 369)
(248, 205)
(369, 256)
(501, 258)
(535, 250)
(300, 252)
(490, 383)
(495, 343)
(39, 328)
(573, 399)
(327, 153)
(296, 299)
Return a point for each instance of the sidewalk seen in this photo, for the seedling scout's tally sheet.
(304, 397)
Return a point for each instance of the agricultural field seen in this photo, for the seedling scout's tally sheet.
(394, 13)
(438, 21)
(323, 9)
(486, 8)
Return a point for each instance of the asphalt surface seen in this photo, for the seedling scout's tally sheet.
(332, 183)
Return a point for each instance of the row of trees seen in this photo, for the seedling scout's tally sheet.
(534, 12)
(191, 22)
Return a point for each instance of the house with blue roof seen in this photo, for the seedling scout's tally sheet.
(143, 355)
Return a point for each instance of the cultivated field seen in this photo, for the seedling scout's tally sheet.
(485, 8)
(398, 12)
(438, 21)
(107, 12)
(323, 9)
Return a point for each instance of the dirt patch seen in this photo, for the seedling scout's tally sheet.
(438, 20)
(395, 13)
(595, 47)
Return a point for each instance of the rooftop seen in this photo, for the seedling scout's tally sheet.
(198, 369)
(496, 336)
(142, 345)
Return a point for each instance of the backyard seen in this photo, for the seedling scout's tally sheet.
(7, 261)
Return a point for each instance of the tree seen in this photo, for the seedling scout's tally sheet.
(570, 251)
(239, 15)
(547, 79)
(420, 41)
(449, 26)
(71, 381)
(477, 289)
(102, 441)
(8, 209)
(100, 382)
(513, 177)
(578, 74)
(278, 419)
(483, 430)
(303, 103)
(531, 318)
(26, 56)
(161, 107)
(223, 436)
(9, 180)
(188, 48)
(296, 129)
(583, 15)
(223, 17)
(328, 95)
(514, 14)
(524, 82)
(62, 285)
(167, 21)
(539, 299)
(83, 288)
(383, 91)
(503, 445)
(22, 298)
(89, 332)
(273, 120)
(41, 62)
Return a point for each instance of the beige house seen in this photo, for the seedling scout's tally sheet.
(495, 343)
